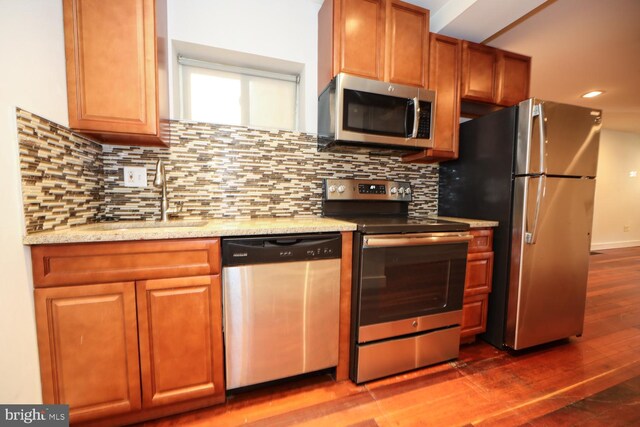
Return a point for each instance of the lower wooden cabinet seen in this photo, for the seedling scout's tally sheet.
(479, 273)
(88, 344)
(131, 350)
(474, 317)
(477, 285)
(179, 323)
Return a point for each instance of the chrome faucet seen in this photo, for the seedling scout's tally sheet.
(160, 180)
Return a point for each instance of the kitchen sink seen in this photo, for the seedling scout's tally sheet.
(136, 225)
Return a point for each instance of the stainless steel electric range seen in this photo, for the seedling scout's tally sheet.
(408, 278)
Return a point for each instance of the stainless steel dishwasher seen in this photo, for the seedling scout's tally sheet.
(281, 297)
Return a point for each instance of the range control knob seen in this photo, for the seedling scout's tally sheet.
(341, 189)
(401, 190)
(332, 189)
(394, 190)
(407, 191)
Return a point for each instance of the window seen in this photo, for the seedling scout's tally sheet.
(225, 94)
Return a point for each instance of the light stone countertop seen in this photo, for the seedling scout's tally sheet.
(141, 230)
(473, 223)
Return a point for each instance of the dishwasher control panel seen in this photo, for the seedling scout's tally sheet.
(285, 248)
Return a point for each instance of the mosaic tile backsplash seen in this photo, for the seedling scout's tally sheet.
(62, 175)
(213, 171)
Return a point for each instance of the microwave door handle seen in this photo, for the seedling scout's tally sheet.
(416, 117)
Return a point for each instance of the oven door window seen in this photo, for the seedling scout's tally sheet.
(402, 282)
(375, 114)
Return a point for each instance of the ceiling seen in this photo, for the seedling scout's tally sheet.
(576, 46)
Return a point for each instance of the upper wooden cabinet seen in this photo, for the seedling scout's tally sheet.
(478, 72)
(444, 78)
(494, 76)
(513, 78)
(407, 44)
(116, 69)
(377, 39)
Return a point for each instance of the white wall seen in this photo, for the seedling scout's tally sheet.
(32, 77)
(282, 29)
(617, 202)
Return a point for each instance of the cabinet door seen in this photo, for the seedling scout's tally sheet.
(444, 77)
(407, 44)
(479, 273)
(474, 315)
(478, 72)
(87, 339)
(513, 78)
(111, 65)
(180, 329)
(361, 26)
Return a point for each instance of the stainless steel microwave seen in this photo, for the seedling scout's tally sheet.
(370, 116)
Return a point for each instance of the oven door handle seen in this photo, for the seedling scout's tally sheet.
(419, 239)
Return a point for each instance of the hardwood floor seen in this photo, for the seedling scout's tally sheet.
(589, 381)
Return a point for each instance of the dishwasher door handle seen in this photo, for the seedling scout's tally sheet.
(418, 239)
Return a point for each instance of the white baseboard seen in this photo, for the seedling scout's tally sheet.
(614, 245)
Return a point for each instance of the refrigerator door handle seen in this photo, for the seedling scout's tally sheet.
(543, 137)
(530, 237)
(538, 110)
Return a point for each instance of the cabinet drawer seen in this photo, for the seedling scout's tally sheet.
(72, 264)
(479, 273)
(474, 315)
(482, 240)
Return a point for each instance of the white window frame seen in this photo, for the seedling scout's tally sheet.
(190, 62)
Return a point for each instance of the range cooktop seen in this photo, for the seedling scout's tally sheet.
(379, 206)
(392, 225)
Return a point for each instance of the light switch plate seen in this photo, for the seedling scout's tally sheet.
(135, 176)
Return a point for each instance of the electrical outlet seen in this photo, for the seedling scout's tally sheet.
(626, 228)
(633, 174)
(135, 176)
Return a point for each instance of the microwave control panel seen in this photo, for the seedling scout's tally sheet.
(363, 189)
(424, 122)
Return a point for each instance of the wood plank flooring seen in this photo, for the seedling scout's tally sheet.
(589, 381)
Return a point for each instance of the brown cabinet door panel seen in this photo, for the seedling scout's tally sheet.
(474, 315)
(444, 78)
(407, 44)
(478, 72)
(87, 339)
(361, 26)
(513, 78)
(180, 329)
(111, 65)
(479, 273)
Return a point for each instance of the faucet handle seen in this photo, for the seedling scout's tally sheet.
(159, 179)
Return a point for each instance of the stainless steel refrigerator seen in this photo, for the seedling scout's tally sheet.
(531, 167)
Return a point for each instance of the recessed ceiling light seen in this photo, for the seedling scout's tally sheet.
(593, 94)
